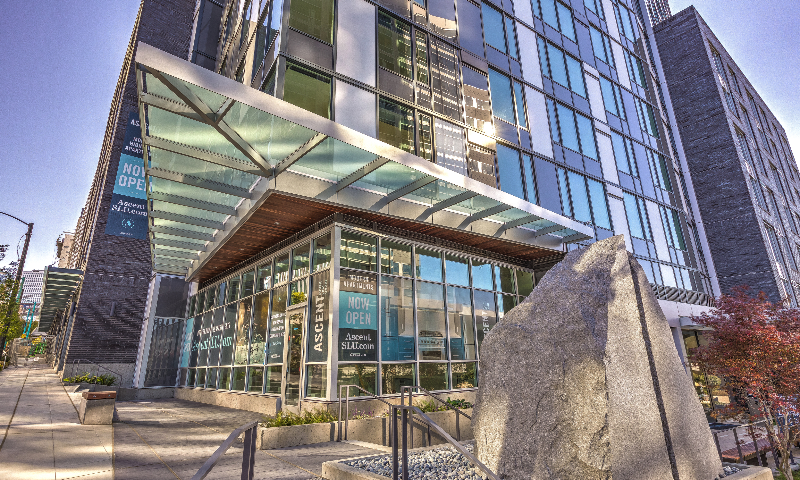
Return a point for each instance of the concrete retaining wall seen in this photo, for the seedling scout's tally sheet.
(370, 430)
(237, 400)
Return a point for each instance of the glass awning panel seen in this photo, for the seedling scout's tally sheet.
(215, 147)
(58, 287)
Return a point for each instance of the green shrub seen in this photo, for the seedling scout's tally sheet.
(286, 419)
(106, 380)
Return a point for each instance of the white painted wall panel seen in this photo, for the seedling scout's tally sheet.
(611, 19)
(522, 9)
(659, 235)
(606, 151)
(355, 41)
(622, 69)
(355, 108)
(540, 127)
(595, 98)
(529, 55)
(617, 209)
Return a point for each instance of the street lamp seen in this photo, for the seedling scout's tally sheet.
(19, 272)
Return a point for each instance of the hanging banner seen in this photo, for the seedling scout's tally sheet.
(358, 317)
(318, 321)
(127, 214)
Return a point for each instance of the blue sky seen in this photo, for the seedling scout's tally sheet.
(61, 61)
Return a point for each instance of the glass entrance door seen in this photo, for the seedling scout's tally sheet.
(294, 360)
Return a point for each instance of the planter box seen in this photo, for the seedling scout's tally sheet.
(370, 430)
(749, 472)
(90, 387)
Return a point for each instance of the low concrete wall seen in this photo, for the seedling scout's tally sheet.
(137, 394)
(376, 407)
(237, 400)
(749, 472)
(370, 430)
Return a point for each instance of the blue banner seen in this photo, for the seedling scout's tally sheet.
(127, 214)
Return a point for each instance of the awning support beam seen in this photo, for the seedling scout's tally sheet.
(546, 230)
(198, 182)
(204, 155)
(293, 157)
(361, 173)
(402, 191)
(193, 203)
(439, 206)
(485, 213)
(197, 222)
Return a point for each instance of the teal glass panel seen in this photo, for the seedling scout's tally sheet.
(272, 379)
(575, 72)
(456, 270)
(197, 168)
(520, 104)
(549, 13)
(332, 160)
(565, 21)
(558, 69)
(530, 180)
(566, 122)
(634, 220)
(566, 206)
(511, 38)
(389, 178)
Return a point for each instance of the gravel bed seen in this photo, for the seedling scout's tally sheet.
(728, 470)
(440, 463)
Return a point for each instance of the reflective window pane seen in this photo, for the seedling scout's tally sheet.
(238, 378)
(432, 321)
(317, 381)
(299, 292)
(313, 17)
(482, 275)
(457, 270)
(524, 283)
(461, 324)
(281, 269)
(233, 290)
(394, 45)
(428, 264)
(255, 382)
(322, 253)
(493, 28)
(502, 103)
(397, 316)
(433, 376)
(505, 279)
(485, 315)
(248, 280)
(464, 375)
(264, 277)
(258, 340)
(272, 380)
(308, 90)
(365, 375)
(395, 258)
(300, 261)
(396, 125)
(358, 251)
(394, 376)
(277, 327)
(224, 382)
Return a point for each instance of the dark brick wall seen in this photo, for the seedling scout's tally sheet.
(732, 221)
(110, 310)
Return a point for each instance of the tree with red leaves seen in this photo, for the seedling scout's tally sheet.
(754, 345)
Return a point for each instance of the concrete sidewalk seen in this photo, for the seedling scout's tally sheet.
(42, 438)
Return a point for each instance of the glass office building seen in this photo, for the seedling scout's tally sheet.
(359, 191)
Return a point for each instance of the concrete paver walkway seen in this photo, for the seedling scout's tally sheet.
(172, 438)
(42, 436)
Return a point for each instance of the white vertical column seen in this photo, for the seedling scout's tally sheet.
(333, 336)
(147, 331)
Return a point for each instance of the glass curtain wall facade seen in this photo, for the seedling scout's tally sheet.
(349, 306)
(553, 102)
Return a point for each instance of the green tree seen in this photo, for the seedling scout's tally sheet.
(10, 323)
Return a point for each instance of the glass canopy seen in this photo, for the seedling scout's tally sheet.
(58, 286)
(215, 147)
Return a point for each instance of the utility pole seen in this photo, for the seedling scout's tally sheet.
(19, 274)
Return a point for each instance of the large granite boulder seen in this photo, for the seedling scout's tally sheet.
(582, 381)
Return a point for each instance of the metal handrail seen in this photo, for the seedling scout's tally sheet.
(395, 454)
(426, 392)
(248, 456)
(79, 361)
(347, 407)
(739, 442)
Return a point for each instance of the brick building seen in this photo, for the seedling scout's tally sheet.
(739, 157)
(103, 323)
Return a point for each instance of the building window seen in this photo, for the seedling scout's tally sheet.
(571, 129)
(583, 198)
(557, 15)
(394, 45)
(498, 31)
(636, 70)
(612, 98)
(647, 117)
(508, 166)
(396, 125)
(502, 98)
(561, 68)
(313, 17)
(660, 170)
(637, 217)
(759, 194)
(672, 228)
(308, 89)
(601, 45)
(627, 23)
(595, 6)
(476, 100)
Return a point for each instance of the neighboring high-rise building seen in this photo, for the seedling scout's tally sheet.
(110, 250)
(64, 248)
(658, 10)
(739, 158)
(358, 191)
(32, 286)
